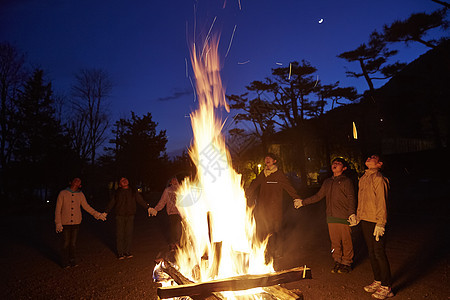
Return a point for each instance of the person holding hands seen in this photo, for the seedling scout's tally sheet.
(372, 215)
(68, 218)
(124, 204)
(340, 205)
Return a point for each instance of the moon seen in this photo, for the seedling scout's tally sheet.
(320, 21)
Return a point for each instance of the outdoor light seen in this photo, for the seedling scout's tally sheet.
(259, 168)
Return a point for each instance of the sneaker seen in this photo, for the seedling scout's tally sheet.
(128, 255)
(373, 287)
(336, 267)
(121, 256)
(344, 269)
(383, 292)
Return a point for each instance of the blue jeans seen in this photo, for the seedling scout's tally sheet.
(124, 233)
(377, 254)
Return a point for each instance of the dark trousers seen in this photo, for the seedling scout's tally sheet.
(70, 234)
(124, 233)
(377, 254)
(269, 227)
(175, 228)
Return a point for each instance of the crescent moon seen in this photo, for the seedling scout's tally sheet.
(320, 21)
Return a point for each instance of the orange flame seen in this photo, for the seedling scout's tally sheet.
(219, 237)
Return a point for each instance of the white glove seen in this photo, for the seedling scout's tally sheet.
(59, 228)
(377, 232)
(102, 216)
(152, 212)
(352, 220)
(298, 203)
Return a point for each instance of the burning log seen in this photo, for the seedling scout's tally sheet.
(206, 289)
(181, 280)
(281, 293)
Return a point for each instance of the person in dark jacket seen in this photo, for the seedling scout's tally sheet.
(124, 204)
(266, 193)
(341, 204)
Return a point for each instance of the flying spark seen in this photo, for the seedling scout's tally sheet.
(208, 35)
(290, 71)
(243, 63)
(231, 40)
(317, 81)
(278, 63)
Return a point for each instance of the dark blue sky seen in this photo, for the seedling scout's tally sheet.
(143, 45)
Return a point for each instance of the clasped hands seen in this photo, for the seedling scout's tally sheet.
(298, 203)
(101, 216)
(152, 212)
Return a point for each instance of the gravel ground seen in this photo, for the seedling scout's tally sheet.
(417, 247)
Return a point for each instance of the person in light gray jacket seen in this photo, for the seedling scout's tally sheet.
(68, 218)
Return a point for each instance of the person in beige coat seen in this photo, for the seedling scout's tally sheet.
(372, 215)
(68, 218)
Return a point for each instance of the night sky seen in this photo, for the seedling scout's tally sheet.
(144, 45)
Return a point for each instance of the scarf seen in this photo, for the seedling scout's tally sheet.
(267, 171)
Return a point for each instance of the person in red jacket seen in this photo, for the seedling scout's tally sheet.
(68, 218)
(341, 204)
(266, 193)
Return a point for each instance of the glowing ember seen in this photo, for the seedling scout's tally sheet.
(355, 132)
(219, 238)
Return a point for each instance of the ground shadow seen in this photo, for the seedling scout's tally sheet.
(431, 251)
(35, 231)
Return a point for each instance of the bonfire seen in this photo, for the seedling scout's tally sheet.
(219, 241)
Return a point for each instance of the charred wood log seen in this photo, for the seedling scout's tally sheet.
(282, 293)
(244, 282)
(182, 280)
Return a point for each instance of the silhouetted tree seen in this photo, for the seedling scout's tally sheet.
(447, 5)
(372, 60)
(336, 93)
(260, 113)
(12, 76)
(42, 153)
(90, 119)
(416, 27)
(138, 149)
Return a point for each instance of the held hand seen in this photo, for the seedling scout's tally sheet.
(152, 212)
(377, 232)
(59, 228)
(298, 203)
(102, 216)
(352, 220)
